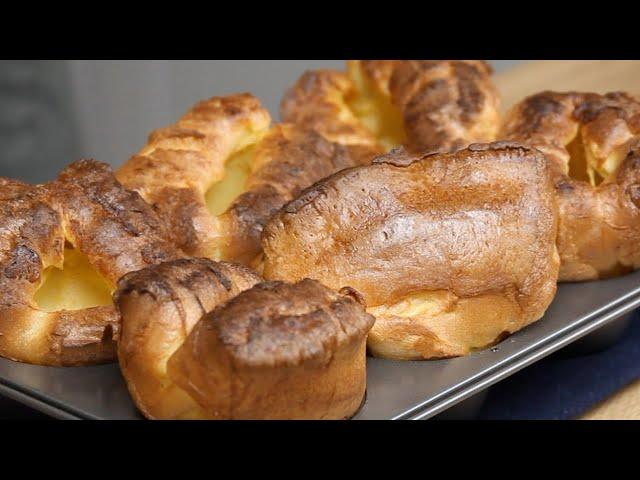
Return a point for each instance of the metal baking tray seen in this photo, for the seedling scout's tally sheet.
(395, 390)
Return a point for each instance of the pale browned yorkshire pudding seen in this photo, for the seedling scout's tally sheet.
(63, 246)
(274, 351)
(451, 251)
(425, 105)
(221, 171)
(593, 145)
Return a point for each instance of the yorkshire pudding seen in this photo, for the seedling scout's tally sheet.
(451, 252)
(220, 171)
(160, 306)
(274, 351)
(63, 246)
(592, 143)
(426, 105)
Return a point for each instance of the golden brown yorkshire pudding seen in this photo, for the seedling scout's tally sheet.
(425, 105)
(160, 306)
(278, 351)
(63, 245)
(220, 171)
(593, 145)
(274, 351)
(451, 251)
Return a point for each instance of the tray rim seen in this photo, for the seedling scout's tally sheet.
(523, 358)
(41, 403)
(422, 411)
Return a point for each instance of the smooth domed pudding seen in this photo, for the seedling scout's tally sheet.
(451, 252)
(425, 105)
(592, 143)
(63, 246)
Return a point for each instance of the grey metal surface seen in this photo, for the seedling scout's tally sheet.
(603, 338)
(38, 132)
(395, 390)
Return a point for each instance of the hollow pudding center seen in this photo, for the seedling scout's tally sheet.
(375, 110)
(74, 287)
(237, 169)
(585, 166)
(579, 167)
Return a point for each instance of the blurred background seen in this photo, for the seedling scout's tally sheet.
(54, 112)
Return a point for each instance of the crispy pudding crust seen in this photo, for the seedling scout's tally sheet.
(160, 306)
(451, 251)
(179, 165)
(85, 207)
(263, 350)
(286, 162)
(278, 351)
(592, 143)
(441, 105)
(176, 167)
